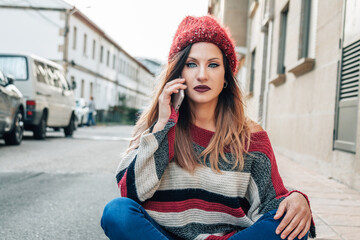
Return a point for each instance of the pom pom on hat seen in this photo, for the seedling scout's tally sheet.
(204, 29)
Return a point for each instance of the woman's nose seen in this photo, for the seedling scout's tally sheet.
(202, 74)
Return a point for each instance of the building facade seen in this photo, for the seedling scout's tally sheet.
(302, 81)
(97, 65)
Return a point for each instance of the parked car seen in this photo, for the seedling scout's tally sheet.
(50, 100)
(11, 111)
(81, 111)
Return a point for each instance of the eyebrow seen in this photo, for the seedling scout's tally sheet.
(215, 58)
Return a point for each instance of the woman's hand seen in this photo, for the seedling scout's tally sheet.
(297, 220)
(165, 101)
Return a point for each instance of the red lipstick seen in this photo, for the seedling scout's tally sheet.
(202, 88)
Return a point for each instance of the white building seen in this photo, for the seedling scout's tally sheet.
(60, 32)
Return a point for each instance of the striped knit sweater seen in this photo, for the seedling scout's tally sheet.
(205, 204)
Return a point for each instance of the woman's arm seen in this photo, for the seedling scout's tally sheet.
(139, 173)
(271, 192)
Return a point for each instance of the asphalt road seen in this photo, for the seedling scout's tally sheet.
(57, 188)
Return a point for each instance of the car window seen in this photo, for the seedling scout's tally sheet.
(40, 72)
(14, 65)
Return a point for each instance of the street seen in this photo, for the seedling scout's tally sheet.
(57, 188)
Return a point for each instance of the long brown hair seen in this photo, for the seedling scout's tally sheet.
(231, 132)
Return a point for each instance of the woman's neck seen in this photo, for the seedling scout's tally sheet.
(204, 116)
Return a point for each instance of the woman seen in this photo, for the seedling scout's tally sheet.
(207, 171)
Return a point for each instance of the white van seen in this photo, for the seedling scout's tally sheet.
(49, 98)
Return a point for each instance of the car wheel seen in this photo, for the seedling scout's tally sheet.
(40, 130)
(16, 135)
(69, 129)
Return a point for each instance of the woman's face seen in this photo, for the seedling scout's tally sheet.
(204, 74)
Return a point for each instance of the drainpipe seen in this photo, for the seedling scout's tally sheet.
(68, 13)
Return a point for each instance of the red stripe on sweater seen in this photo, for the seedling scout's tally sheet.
(122, 186)
(171, 134)
(171, 142)
(182, 206)
(227, 236)
(260, 142)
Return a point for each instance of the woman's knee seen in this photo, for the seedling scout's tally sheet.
(118, 212)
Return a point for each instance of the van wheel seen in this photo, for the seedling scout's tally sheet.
(69, 129)
(40, 130)
(16, 135)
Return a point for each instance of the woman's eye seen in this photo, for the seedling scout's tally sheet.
(191, 65)
(213, 65)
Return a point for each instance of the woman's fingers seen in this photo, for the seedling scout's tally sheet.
(306, 229)
(294, 228)
(280, 211)
(297, 218)
(165, 98)
(285, 224)
(172, 87)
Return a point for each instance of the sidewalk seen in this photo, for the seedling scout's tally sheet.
(335, 207)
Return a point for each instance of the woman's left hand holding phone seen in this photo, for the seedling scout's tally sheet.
(170, 88)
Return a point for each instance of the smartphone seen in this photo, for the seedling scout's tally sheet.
(177, 98)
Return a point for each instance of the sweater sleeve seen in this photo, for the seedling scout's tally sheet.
(266, 189)
(140, 171)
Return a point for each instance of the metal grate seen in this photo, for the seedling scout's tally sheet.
(350, 71)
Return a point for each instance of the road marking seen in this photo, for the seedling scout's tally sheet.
(102, 138)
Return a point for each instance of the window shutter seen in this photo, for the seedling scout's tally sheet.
(348, 92)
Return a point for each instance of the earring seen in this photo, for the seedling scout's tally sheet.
(225, 84)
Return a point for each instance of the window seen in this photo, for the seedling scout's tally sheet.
(91, 89)
(304, 29)
(85, 42)
(73, 83)
(114, 61)
(40, 72)
(108, 58)
(74, 38)
(63, 82)
(347, 99)
(282, 41)
(53, 76)
(3, 81)
(101, 53)
(93, 49)
(252, 73)
(82, 88)
(15, 65)
(120, 63)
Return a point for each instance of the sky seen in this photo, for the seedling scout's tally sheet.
(143, 28)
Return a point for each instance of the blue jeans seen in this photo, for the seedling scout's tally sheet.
(91, 120)
(124, 218)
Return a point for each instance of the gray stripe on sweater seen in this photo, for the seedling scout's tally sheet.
(261, 173)
(161, 155)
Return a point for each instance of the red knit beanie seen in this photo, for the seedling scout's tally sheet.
(204, 29)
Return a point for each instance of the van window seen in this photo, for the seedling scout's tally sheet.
(54, 76)
(50, 76)
(14, 65)
(64, 84)
(40, 72)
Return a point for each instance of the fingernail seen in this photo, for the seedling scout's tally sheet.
(283, 236)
